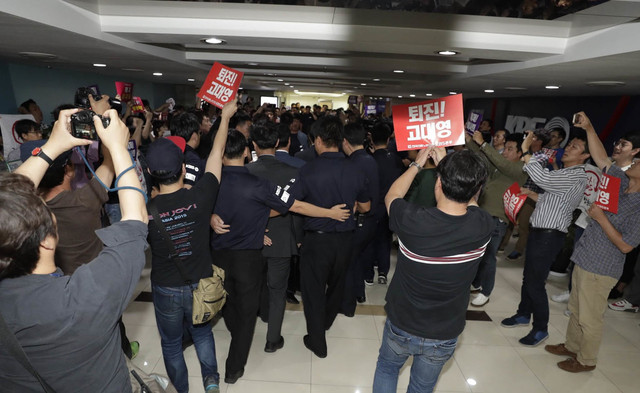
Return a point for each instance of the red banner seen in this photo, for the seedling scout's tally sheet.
(221, 85)
(608, 193)
(125, 91)
(513, 202)
(437, 122)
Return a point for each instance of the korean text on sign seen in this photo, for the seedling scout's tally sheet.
(513, 202)
(608, 193)
(221, 85)
(436, 122)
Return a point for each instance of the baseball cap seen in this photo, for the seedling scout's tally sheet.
(166, 155)
(27, 147)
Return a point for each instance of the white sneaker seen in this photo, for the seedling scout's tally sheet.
(561, 297)
(556, 275)
(623, 305)
(480, 300)
(567, 312)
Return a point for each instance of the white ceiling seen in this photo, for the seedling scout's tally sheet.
(334, 49)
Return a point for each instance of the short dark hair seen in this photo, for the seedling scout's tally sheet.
(264, 137)
(159, 177)
(634, 139)
(380, 133)
(236, 143)
(24, 126)
(54, 176)
(506, 132)
(583, 138)
(286, 118)
(329, 129)
(184, 125)
(462, 174)
(488, 121)
(198, 113)
(284, 134)
(355, 134)
(517, 138)
(561, 132)
(56, 111)
(26, 222)
(28, 102)
(237, 120)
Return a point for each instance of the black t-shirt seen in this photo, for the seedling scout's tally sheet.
(437, 259)
(186, 214)
(194, 166)
(244, 202)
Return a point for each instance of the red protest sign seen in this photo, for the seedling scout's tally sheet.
(437, 122)
(221, 85)
(513, 202)
(125, 91)
(138, 105)
(608, 193)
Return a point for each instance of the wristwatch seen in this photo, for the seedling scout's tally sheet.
(416, 165)
(38, 152)
(526, 153)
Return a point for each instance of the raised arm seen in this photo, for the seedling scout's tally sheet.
(596, 148)
(214, 162)
(400, 187)
(60, 141)
(116, 138)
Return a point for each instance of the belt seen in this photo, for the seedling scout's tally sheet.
(545, 230)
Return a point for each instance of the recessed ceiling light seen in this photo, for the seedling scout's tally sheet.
(191, 80)
(605, 83)
(447, 52)
(412, 95)
(363, 84)
(252, 64)
(157, 73)
(280, 80)
(552, 87)
(489, 91)
(399, 96)
(99, 65)
(286, 84)
(428, 94)
(452, 92)
(398, 71)
(376, 80)
(214, 41)
(515, 88)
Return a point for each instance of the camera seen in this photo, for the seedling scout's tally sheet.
(82, 125)
(81, 99)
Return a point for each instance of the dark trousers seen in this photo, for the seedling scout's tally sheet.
(323, 264)
(243, 279)
(381, 249)
(277, 278)
(543, 248)
(486, 275)
(354, 280)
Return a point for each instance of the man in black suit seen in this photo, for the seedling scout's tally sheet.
(282, 242)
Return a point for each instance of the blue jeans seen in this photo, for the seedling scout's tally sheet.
(429, 356)
(173, 307)
(486, 275)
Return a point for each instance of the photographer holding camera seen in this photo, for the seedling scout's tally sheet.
(67, 325)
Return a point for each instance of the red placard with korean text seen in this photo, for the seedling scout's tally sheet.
(125, 91)
(513, 202)
(608, 193)
(221, 85)
(138, 105)
(437, 122)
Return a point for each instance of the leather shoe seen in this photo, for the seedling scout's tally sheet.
(291, 298)
(560, 350)
(573, 366)
(232, 378)
(272, 347)
(361, 299)
(307, 343)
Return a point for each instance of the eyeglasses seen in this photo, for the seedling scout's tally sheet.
(620, 142)
(35, 132)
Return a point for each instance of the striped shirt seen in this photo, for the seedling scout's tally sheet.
(563, 188)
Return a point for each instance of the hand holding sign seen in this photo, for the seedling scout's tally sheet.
(513, 201)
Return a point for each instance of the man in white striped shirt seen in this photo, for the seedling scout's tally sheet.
(440, 250)
(549, 222)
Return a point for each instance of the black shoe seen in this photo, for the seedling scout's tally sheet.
(348, 314)
(233, 377)
(319, 354)
(361, 299)
(382, 278)
(272, 347)
(291, 298)
(614, 294)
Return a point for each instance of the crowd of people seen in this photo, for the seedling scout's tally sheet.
(295, 199)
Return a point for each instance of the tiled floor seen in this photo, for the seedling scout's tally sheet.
(488, 358)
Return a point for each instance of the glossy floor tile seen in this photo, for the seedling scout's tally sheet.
(488, 358)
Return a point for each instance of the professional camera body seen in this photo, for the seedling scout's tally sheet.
(82, 124)
(81, 99)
